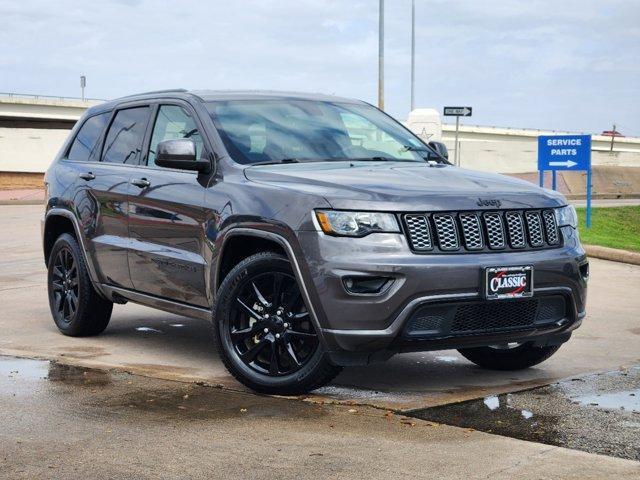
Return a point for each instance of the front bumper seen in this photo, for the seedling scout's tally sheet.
(361, 328)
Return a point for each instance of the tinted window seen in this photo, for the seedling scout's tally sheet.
(272, 130)
(173, 122)
(124, 140)
(86, 142)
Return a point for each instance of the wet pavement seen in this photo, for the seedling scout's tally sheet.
(161, 345)
(60, 419)
(597, 413)
(66, 422)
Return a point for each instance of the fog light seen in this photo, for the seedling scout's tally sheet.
(366, 285)
(584, 271)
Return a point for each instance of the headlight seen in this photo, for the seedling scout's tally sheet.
(356, 224)
(567, 216)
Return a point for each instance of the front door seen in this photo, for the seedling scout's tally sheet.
(166, 217)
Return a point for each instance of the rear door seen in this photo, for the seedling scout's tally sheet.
(166, 215)
(101, 196)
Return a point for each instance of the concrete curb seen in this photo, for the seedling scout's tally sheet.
(612, 254)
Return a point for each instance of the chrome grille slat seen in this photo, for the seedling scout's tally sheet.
(495, 230)
(534, 228)
(446, 231)
(481, 231)
(515, 229)
(550, 227)
(419, 232)
(471, 231)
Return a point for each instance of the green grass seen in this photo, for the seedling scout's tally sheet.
(615, 227)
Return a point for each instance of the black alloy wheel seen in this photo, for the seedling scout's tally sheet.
(264, 331)
(77, 308)
(270, 327)
(65, 286)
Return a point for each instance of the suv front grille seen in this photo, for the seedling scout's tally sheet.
(482, 231)
(446, 231)
(419, 232)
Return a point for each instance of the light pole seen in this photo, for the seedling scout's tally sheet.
(83, 83)
(413, 54)
(381, 56)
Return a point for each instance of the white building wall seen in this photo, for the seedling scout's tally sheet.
(29, 149)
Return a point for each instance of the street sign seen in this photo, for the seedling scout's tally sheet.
(564, 152)
(457, 111)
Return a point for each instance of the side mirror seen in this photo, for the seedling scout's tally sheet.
(441, 148)
(180, 153)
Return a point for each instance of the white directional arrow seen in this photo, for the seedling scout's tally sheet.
(566, 163)
(465, 111)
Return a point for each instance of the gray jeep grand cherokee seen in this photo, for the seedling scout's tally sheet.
(314, 232)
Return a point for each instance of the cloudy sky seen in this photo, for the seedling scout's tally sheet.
(552, 64)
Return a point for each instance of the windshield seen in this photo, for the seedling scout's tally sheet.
(264, 131)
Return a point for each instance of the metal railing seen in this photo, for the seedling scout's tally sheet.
(49, 97)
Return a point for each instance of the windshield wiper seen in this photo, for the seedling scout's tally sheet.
(368, 159)
(411, 148)
(276, 162)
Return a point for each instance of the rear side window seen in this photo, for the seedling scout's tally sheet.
(84, 146)
(125, 136)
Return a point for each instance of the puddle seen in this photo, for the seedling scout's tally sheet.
(78, 376)
(627, 400)
(19, 370)
(99, 393)
(597, 413)
(447, 358)
(23, 369)
(148, 330)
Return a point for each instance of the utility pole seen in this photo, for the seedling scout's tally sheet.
(613, 136)
(83, 83)
(413, 54)
(381, 56)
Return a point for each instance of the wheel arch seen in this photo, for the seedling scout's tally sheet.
(271, 242)
(59, 221)
(55, 225)
(240, 245)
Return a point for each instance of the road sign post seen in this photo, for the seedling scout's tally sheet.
(457, 112)
(565, 152)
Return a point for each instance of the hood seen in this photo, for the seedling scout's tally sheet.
(404, 186)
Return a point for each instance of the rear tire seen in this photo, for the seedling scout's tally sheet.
(263, 331)
(517, 358)
(77, 308)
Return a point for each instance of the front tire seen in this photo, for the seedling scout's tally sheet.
(506, 357)
(77, 309)
(263, 331)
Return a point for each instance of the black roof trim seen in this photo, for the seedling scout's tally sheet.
(153, 92)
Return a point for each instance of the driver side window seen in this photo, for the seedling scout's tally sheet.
(173, 122)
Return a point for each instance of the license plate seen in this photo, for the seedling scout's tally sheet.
(508, 282)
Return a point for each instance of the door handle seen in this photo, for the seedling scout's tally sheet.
(87, 176)
(142, 183)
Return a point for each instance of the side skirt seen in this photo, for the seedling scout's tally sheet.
(159, 303)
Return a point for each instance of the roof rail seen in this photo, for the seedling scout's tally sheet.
(168, 90)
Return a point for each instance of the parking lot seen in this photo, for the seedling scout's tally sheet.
(166, 347)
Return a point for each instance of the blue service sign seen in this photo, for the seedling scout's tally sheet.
(564, 152)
